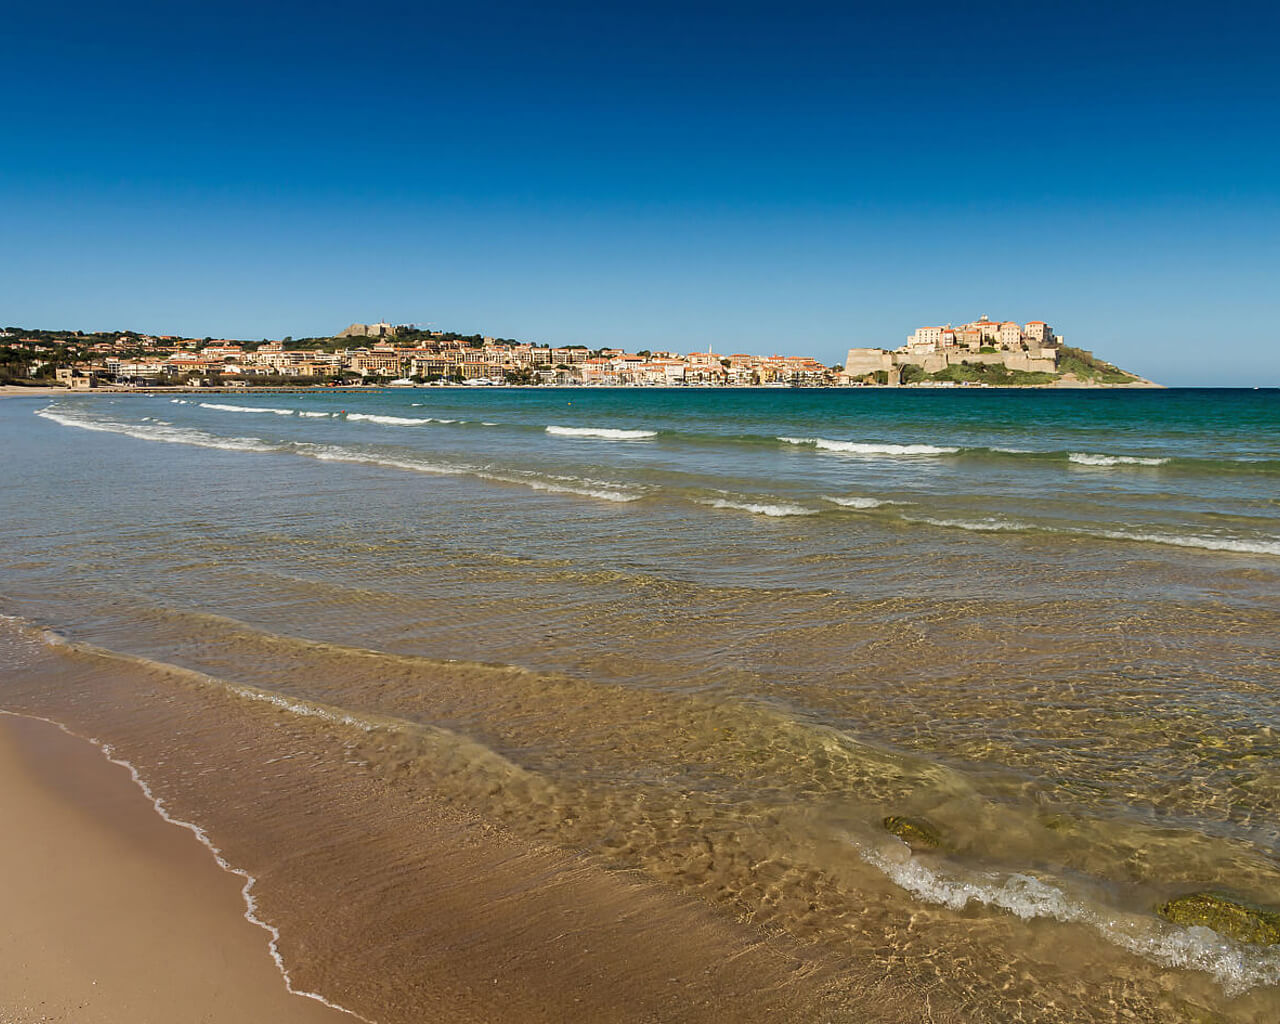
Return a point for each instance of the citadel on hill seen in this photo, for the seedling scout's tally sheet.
(1032, 348)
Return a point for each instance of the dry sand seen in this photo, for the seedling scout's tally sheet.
(13, 391)
(109, 914)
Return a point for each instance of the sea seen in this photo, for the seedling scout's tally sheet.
(700, 644)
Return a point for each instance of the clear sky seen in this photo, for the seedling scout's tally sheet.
(785, 177)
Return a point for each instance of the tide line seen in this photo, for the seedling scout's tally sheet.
(246, 890)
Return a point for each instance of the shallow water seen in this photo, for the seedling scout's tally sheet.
(711, 639)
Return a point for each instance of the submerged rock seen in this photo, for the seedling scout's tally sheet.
(915, 832)
(1226, 915)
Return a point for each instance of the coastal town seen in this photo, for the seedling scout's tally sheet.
(982, 353)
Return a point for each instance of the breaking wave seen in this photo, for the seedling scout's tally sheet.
(602, 433)
(988, 524)
(1203, 542)
(866, 448)
(156, 432)
(1235, 966)
(1089, 459)
(558, 485)
(393, 421)
(176, 435)
(775, 510)
(244, 408)
(857, 501)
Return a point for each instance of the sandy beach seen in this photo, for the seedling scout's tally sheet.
(112, 915)
(13, 391)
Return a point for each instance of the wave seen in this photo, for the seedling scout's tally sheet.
(989, 524)
(559, 485)
(177, 435)
(602, 433)
(315, 415)
(392, 421)
(621, 493)
(856, 501)
(245, 408)
(776, 510)
(1235, 966)
(1203, 542)
(1089, 459)
(867, 448)
(155, 432)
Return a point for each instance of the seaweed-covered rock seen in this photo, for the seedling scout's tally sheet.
(1226, 915)
(915, 832)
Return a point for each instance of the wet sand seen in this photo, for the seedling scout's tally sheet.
(110, 914)
(124, 919)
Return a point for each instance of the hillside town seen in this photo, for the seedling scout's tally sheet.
(383, 353)
(981, 353)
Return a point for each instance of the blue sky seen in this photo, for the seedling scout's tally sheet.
(791, 178)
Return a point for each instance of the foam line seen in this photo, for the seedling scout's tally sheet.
(777, 510)
(246, 890)
(602, 433)
(1237, 968)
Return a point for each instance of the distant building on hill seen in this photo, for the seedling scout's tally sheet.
(382, 330)
(1033, 348)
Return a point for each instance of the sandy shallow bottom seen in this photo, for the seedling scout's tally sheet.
(110, 914)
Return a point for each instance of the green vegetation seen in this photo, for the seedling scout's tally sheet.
(1084, 365)
(1226, 915)
(990, 373)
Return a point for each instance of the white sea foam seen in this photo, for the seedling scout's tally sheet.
(563, 485)
(246, 890)
(602, 433)
(585, 490)
(865, 448)
(858, 502)
(988, 524)
(1234, 966)
(1204, 542)
(155, 432)
(390, 421)
(776, 510)
(314, 415)
(1089, 459)
(245, 408)
(152, 432)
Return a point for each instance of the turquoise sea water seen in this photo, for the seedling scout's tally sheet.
(714, 629)
(1195, 469)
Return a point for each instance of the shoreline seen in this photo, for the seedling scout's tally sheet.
(17, 391)
(120, 917)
